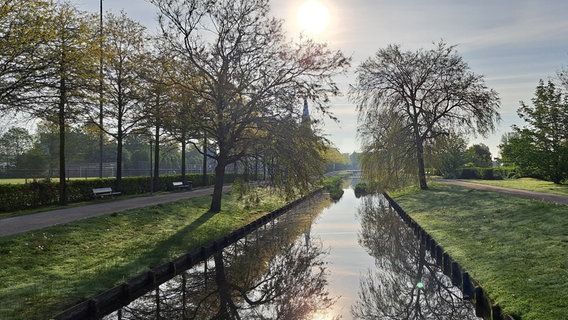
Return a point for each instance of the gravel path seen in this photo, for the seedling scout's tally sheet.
(514, 192)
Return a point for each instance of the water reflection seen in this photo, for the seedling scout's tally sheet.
(406, 284)
(277, 272)
(283, 271)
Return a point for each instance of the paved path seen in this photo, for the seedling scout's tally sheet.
(15, 225)
(10, 226)
(514, 192)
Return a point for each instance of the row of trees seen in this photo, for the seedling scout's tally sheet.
(220, 76)
(27, 155)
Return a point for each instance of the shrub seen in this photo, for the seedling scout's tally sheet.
(360, 189)
(333, 186)
(493, 173)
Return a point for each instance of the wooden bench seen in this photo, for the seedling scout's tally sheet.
(103, 192)
(178, 185)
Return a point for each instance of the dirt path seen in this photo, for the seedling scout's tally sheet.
(15, 225)
(514, 192)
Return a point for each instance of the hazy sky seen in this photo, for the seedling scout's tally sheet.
(513, 43)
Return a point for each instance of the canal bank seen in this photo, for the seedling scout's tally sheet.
(515, 248)
(471, 289)
(317, 260)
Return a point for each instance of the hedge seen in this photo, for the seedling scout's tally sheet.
(492, 173)
(14, 197)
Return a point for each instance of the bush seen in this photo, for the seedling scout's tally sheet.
(494, 173)
(361, 189)
(333, 186)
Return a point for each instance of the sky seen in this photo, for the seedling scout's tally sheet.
(513, 43)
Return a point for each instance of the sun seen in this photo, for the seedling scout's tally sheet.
(313, 17)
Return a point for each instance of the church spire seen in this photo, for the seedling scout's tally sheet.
(306, 112)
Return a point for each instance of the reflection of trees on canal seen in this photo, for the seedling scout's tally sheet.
(273, 273)
(407, 284)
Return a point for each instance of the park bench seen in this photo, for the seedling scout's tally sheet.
(102, 192)
(178, 185)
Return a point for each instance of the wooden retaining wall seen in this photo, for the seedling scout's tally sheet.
(471, 290)
(121, 295)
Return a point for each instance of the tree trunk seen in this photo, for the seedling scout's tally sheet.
(157, 158)
(218, 187)
(183, 158)
(204, 173)
(119, 161)
(61, 120)
(421, 169)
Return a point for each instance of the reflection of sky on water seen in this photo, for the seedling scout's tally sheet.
(337, 227)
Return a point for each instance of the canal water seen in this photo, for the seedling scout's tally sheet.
(350, 259)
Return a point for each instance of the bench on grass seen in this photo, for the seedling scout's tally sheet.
(103, 192)
(178, 185)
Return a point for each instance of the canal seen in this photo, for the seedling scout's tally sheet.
(350, 259)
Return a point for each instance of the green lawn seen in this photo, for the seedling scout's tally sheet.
(45, 271)
(516, 248)
(527, 184)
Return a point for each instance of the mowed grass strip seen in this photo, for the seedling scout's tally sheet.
(529, 184)
(516, 248)
(44, 272)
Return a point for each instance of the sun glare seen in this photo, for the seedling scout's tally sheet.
(313, 17)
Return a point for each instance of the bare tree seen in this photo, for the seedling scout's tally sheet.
(427, 93)
(126, 57)
(248, 74)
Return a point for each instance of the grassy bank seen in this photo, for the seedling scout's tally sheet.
(46, 271)
(516, 248)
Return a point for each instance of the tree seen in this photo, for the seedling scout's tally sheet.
(387, 160)
(541, 147)
(14, 143)
(448, 154)
(425, 94)
(24, 33)
(479, 155)
(66, 84)
(125, 60)
(249, 76)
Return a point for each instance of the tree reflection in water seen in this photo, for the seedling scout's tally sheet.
(274, 273)
(407, 284)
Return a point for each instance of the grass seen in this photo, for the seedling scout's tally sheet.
(517, 249)
(529, 184)
(46, 271)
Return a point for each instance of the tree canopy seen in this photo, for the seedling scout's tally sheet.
(540, 148)
(406, 98)
(250, 77)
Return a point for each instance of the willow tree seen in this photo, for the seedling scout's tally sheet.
(412, 97)
(249, 74)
